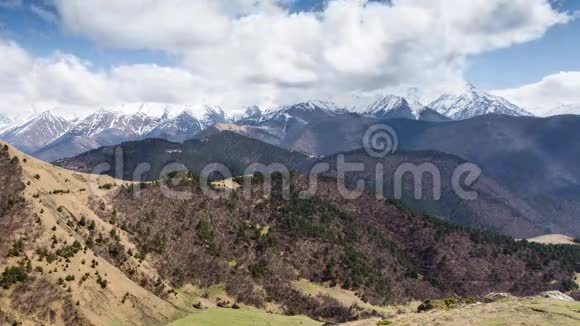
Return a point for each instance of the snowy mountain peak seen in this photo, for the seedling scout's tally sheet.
(47, 118)
(397, 107)
(317, 104)
(177, 128)
(252, 111)
(470, 88)
(248, 116)
(36, 132)
(387, 103)
(94, 123)
(47, 115)
(132, 125)
(205, 114)
(212, 115)
(213, 109)
(474, 102)
(310, 106)
(186, 114)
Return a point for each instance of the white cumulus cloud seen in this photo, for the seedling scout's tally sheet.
(242, 52)
(554, 94)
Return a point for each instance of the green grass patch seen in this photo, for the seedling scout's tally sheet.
(226, 317)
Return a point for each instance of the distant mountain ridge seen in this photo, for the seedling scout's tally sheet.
(501, 205)
(530, 156)
(229, 148)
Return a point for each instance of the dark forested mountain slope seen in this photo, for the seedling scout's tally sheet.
(533, 155)
(231, 149)
(376, 247)
(497, 206)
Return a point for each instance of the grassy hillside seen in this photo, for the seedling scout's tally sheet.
(222, 317)
(506, 312)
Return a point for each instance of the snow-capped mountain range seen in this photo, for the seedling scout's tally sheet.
(473, 102)
(50, 137)
(107, 127)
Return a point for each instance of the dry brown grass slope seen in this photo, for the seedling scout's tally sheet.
(506, 312)
(55, 202)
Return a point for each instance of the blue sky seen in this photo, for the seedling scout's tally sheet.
(558, 50)
(292, 69)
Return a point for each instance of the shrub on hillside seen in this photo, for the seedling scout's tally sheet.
(69, 251)
(13, 275)
(450, 302)
(17, 248)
